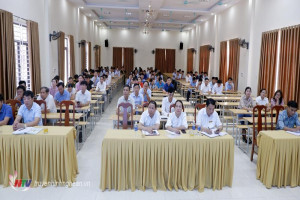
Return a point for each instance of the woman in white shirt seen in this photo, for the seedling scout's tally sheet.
(150, 119)
(262, 99)
(177, 120)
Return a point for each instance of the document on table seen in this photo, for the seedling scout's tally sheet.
(297, 133)
(154, 133)
(214, 134)
(28, 130)
(172, 134)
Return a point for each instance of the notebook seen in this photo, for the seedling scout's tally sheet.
(28, 130)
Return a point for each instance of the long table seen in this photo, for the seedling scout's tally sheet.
(278, 162)
(41, 158)
(130, 161)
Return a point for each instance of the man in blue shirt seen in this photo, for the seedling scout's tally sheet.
(160, 84)
(30, 112)
(146, 92)
(229, 85)
(62, 94)
(168, 85)
(288, 119)
(191, 87)
(6, 116)
(136, 96)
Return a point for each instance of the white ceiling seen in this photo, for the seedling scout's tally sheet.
(168, 14)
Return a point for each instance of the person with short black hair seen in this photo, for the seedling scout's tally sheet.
(208, 119)
(146, 92)
(88, 82)
(101, 85)
(137, 96)
(150, 119)
(80, 79)
(70, 81)
(168, 84)
(44, 95)
(126, 99)
(167, 102)
(71, 91)
(20, 93)
(30, 112)
(205, 88)
(288, 119)
(22, 83)
(229, 85)
(6, 115)
(160, 84)
(62, 94)
(177, 119)
(213, 82)
(218, 87)
(95, 78)
(83, 96)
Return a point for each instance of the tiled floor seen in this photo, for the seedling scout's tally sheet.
(245, 185)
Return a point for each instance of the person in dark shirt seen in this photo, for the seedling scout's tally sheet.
(89, 82)
(6, 115)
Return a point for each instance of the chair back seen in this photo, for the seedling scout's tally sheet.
(40, 102)
(198, 106)
(277, 109)
(14, 104)
(125, 119)
(67, 104)
(146, 104)
(258, 124)
(173, 106)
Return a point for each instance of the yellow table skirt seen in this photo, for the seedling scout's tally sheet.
(159, 162)
(278, 162)
(41, 158)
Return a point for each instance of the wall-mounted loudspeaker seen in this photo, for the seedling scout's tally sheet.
(135, 50)
(153, 51)
(106, 43)
(181, 45)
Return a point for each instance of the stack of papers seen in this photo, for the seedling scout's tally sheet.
(214, 134)
(297, 133)
(28, 130)
(154, 133)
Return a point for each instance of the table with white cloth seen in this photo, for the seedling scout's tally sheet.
(132, 161)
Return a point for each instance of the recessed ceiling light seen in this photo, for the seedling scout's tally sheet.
(212, 13)
(90, 15)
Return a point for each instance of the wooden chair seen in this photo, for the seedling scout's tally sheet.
(173, 106)
(14, 104)
(277, 109)
(258, 126)
(146, 104)
(66, 121)
(125, 119)
(198, 106)
(40, 102)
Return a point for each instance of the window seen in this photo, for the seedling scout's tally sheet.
(67, 59)
(21, 52)
(86, 55)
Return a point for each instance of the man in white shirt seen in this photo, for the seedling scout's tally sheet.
(101, 86)
(167, 102)
(177, 120)
(205, 88)
(108, 78)
(218, 88)
(146, 92)
(150, 119)
(44, 95)
(208, 119)
(125, 99)
(95, 78)
(213, 82)
(83, 96)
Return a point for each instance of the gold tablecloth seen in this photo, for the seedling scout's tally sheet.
(278, 162)
(159, 162)
(41, 158)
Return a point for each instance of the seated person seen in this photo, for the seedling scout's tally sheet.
(83, 96)
(262, 99)
(246, 103)
(30, 112)
(53, 88)
(213, 82)
(20, 93)
(168, 84)
(70, 81)
(136, 96)
(95, 78)
(88, 82)
(46, 96)
(146, 92)
(80, 79)
(191, 87)
(71, 91)
(125, 99)
(208, 118)
(160, 84)
(101, 85)
(199, 84)
(129, 80)
(288, 119)
(167, 102)
(177, 120)
(6, 115)
(150, 119)
(62, 94)
(229, 85)
(205, 88)
(277, 100)
(218, 87)
(152, 84)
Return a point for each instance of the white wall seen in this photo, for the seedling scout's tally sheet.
(144, 44)
(55, 15)
(246, 20)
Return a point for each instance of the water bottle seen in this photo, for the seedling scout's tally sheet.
(193, 126)
(135, 126)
